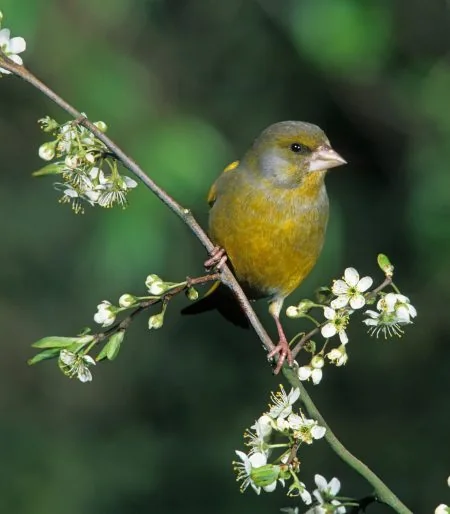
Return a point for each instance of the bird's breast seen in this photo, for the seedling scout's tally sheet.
(272, 237)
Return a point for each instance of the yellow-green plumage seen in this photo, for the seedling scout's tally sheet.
(269, 212)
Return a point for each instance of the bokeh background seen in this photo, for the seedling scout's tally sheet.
(184, 88)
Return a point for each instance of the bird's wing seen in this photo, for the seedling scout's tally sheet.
(212, 195)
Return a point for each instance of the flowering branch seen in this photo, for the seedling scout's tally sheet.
(296, 429)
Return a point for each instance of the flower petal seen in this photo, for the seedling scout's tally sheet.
(16, 58)
(5, 34)
(339, 302)
(334, 486)
(17, 45)
(351, 276)
(318, 432)
(328, 330)
(343, 337)
(364, 284)
(357, 301)
(320, 481)
(329, 313)
(316, 375)
(339, 287)
(304, 372)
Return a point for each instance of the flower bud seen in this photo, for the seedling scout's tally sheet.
(156, 321)
(89, 157)
(317, 362)
(292, 312)
(265, 475)
(101, 125)
(71, 161)
(1, 16)
(47, 151)
(157, 288)
(127, 300)
(385, 265)
(192, 294)
(304, 306)
(150, 279)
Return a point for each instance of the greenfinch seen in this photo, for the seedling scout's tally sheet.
(269, 214)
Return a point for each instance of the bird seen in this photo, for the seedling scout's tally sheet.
(268, 217)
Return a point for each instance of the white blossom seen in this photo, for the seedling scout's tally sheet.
(127, 300)
(350, 289)
(106, 314)
(336, 324)
(442, 509)
(338, 356)
(73, 364)
(313, 370)
(11, 47)
(245, 468)
(325, 494)
(393, 311)
(305, 429)
(282, 402)
(259, 434)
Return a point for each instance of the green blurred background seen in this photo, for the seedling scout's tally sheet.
(184, 88)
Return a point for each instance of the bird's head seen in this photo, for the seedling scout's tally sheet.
(287, 153)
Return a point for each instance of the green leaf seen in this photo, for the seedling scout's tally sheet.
(42, 356)
(62, 342)
(112, 347)
(51, 169)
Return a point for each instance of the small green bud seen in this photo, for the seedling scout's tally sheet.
(156, 321)
(310, 346)
(101, 125)
(323, 295)
(385, 265)
(192, 294)
(47, 151)
(150, 279)
(317, 361)
(305, 305)
(265, 475)
(48, 124)
(127, 300)
(1, 16)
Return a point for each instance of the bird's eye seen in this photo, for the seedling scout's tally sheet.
(299, 148)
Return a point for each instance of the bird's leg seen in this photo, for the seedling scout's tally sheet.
(282, 349)
(217, 260)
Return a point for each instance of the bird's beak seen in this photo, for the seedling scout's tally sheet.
(324, 158)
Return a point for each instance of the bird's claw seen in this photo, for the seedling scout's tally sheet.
(217, 260)
(284, 352)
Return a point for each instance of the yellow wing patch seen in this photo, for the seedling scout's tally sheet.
(213, 191)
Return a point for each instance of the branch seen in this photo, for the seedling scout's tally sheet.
(383, 493)
(184, 214)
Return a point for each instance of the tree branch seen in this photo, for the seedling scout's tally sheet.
(382, 491)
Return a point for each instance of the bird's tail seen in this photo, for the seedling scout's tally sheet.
(219, 298)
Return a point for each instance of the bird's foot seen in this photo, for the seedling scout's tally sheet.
(284, 352)
(217, 260)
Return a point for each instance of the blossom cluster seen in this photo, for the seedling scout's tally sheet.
(73, 352)
(88, 171)
(260, 468)
(325, 498)
(10, 46)
(347, 296)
